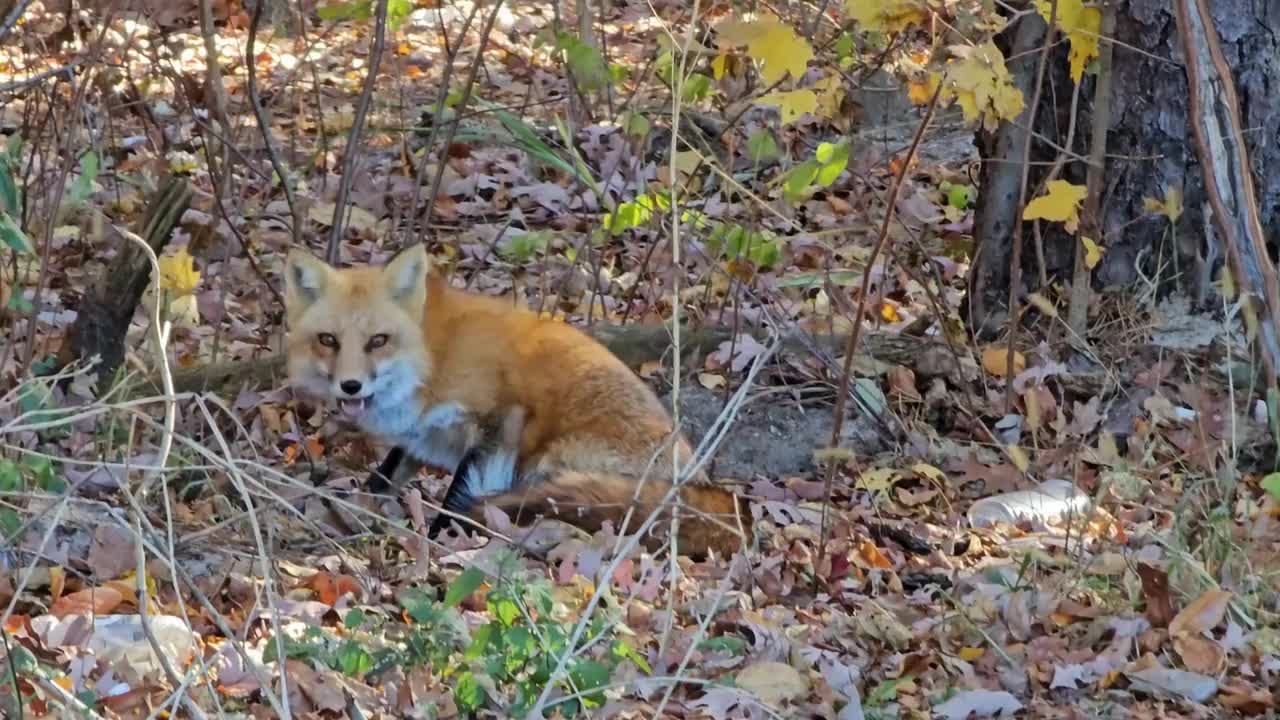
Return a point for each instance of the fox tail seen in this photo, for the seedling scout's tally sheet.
(710, 517)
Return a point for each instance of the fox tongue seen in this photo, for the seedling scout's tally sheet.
(353, 408)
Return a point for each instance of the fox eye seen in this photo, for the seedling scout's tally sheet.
(328, 340)
(377, 341)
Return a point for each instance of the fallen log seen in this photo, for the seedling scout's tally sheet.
(104, 313)
(635, 345)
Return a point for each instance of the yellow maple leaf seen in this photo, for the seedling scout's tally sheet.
(774, 43)
(876, 479)
(982, 86)
(1170, 207)
(1081, 25)
(1092, 252)
(887, 15)
(719, 65)
(791, 103)
(920, 92)
(830, 93)
(178, 272)
(179, 279)
(1060, 204)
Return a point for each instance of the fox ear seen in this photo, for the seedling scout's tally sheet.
(406, 277)
(305, 276)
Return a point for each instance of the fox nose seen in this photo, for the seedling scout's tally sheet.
(350, 387)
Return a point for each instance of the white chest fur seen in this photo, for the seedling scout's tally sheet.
(438, 435)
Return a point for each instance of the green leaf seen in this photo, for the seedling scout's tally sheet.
(82, 188)
(10, 478)
(24, 662)
(586, 62)
(521, 248)
(397, 11)
(12, 235)
(624, 650)
(13, 148)
(480, 641)
(420, 603)
(353, 660)
(45, 476)
(762, 147)
(958, 196)
(1271, 484)
(868, 390)
(33, 396)
(10, 201)
(730, 644)
(842, 278)
(354, 619)
(505, 610)
(834, 158)
(844, 45)
(467, 693)
(797, 181)
(10, 524)
(635, 125)
(519, 645)
(885, 692)
(588, 675)
(19, 303)
(628, 215)
(765, 253)
(696, 87)
(468, 582)
(354, 10)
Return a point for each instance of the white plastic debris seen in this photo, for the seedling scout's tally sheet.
(122, 643)
(1051, 501)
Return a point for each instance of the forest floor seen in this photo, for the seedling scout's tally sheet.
(892, 573)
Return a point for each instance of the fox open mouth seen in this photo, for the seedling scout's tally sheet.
(353, 408)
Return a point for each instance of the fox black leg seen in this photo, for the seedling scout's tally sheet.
(458, 498)
(380, 480)
(505, 443)
(398, 467)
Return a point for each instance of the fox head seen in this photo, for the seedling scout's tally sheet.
(355, 334)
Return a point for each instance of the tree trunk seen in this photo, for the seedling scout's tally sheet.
(1150, 150)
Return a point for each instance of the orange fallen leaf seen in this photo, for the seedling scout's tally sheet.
(90, 601)
(995, 360)
(329, 587)
(871, 555)
(1204, 613)
(1200, 654)
(15, 623)
(57, 582)
(314, 449)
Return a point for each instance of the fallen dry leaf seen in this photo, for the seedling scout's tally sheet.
(773, 682)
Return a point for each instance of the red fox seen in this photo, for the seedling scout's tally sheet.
(530, 415)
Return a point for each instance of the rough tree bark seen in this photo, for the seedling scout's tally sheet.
(1150, 149)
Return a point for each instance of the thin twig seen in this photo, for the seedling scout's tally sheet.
(12, 18)
(264, 123)
(40, 77)
(161, 338)
(837, 422)
(472, 72)
(352, 151)
(446, 78)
